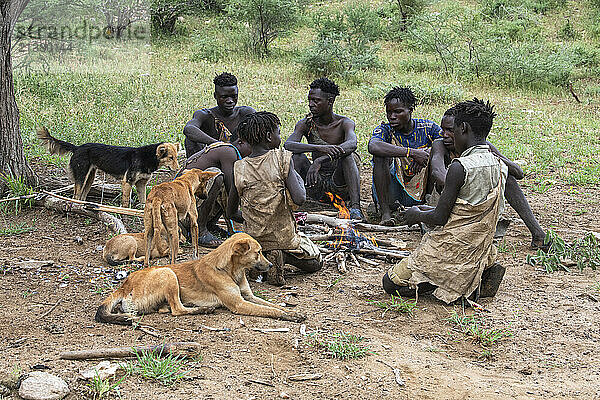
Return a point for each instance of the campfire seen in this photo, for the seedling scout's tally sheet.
(343, 238)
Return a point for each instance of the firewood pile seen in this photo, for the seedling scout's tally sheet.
(342, 240)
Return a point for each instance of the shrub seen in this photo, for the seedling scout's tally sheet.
(206, 49)
(529, 65)
(266, 19)
(344, 43)
(506, 8)
(568, 32)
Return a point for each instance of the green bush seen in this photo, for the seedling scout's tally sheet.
(506, 8)
(206, 49)
(529, 65)
(344, 43)
(568, 32)
(267, 20)
(425, 91)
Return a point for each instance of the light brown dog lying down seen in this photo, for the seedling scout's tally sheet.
(217, 279)
(170, 202)
(132, 247)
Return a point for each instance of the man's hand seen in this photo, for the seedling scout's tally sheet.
(312, 176)
(331, 149)
(410, 216)
(420, 156)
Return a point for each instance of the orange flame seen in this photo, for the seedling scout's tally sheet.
(339, 203)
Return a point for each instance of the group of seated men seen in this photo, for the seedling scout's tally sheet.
(416, 163)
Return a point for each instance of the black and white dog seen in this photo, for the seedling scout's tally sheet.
(133, 165)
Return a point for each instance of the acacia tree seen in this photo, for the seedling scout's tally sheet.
(12, 158)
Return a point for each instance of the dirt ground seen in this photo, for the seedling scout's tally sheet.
(553, 352)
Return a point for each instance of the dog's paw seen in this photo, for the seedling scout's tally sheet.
(293, 317)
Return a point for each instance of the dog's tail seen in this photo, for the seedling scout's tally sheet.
(54, 145)
(105, 314)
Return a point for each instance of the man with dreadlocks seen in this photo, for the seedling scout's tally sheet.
(332, 141)
(442, 154)
(219, 123)
(400, 150)
(457, 258)
(267, 188)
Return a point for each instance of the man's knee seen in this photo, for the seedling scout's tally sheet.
(313, 265)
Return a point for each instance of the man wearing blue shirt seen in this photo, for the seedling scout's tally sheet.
(400, 150)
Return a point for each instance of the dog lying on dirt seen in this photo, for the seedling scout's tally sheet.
(133, 165)
(132, 247)
(170, 202)
(196, 287)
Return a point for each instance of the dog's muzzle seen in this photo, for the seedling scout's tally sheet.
(262, 267)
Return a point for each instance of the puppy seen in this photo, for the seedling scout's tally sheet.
(132, 247)
(170, 202)
(133, 165)
(218, 279)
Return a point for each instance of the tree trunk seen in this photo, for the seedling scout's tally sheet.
(13, 164)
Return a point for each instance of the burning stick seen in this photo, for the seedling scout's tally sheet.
(340, 258)
(320, 238)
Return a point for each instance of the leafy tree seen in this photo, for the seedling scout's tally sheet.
(266, 19)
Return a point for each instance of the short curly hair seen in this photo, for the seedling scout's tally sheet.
(253, 128)
(326, 85)
(478, 114)
(403, 94)
(225, 79)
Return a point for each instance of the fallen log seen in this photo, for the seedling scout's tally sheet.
(182, 349)
(99, 207)
(112, 222)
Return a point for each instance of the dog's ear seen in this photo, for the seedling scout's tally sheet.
(241, 247)
(206, 175)
(161, 151)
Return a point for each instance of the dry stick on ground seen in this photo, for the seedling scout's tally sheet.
(183, 349)
(396, 372)
(147, 331)
(113, 223)
(100, 207)
(321, 238)
(50, 310)
(366, 260)
(261, 382)
(333, 221)
(377, 251)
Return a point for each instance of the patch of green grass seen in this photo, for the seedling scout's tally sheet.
(340, 345)
(584, 252)
(335, 281)
(396, 304)
(475, 326)
(102, 286)
(16, 229)
(27, 293)
(166, 369)
(16, 187)
(260, 294)
(100, 388)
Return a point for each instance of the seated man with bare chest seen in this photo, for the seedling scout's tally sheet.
(332, 142)
(219, 123)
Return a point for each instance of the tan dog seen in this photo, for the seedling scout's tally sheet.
(132, 247)
(133, 165)
(218, 279)
(170, 202)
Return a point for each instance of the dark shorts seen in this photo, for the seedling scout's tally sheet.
(327, 183)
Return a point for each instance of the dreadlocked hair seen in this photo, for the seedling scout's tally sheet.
(403, 94)
(326, 85)
(478, 114)
(255, 127)
(225, 79)
(450, 112)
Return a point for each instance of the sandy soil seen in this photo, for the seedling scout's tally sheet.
(553, 352)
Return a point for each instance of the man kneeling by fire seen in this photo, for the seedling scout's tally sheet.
(458, 257)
